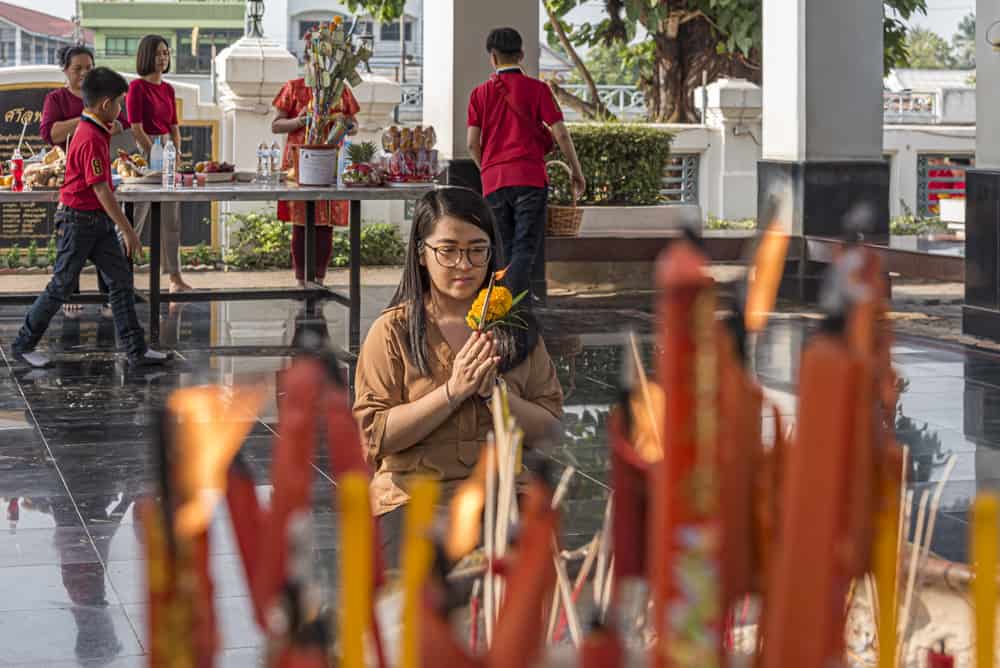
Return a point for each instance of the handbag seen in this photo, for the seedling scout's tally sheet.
(543, 132)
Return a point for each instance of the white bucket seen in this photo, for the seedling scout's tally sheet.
(317, 165)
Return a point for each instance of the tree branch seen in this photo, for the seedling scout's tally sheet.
(588, 110)
(602, 112)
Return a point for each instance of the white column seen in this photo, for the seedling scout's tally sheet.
(987, 95)
(455, 59)
(734, 113)
(822, 65)
(18, 36)
(250, 73)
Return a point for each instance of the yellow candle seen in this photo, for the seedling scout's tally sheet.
(355, 568)
(886, 559)
(417, 556)
(985, 513)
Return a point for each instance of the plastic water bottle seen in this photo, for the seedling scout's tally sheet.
(342, 161)
(263, 164)
(275, 163)
(169, 166)
(156, 156)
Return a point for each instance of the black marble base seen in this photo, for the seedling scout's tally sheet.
(463, 172)
(981, 322)
(824, 195)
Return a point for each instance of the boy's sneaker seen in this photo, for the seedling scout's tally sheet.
(34, 359)
(150, 358)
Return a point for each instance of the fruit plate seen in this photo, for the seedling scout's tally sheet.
(149, 177)
(218, 177)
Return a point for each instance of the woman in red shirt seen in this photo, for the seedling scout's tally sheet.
(292, 104)
(153, 112)
(61, 114)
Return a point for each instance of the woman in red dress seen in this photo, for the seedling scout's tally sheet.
(292, 105)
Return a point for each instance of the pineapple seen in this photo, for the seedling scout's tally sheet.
(360, 171)
(361, 153)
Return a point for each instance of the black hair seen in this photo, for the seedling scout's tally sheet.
(102, 83)
(69, 52)
(505, 41)
(513, 344)
(145, 55)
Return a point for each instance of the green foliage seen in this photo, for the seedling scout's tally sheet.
(910, 224)
(381, 244)
(361, 152)
(264, 242)
(714, 223)
(12, 259)
(963, 43)
(261, 241)
(33, 253)
(928, 51)
(615, 65)
(622, 162)
(202, 254)
(382, 11)
(51, 252)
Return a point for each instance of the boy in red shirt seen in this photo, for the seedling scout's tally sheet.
(512, 121)
(87, 220)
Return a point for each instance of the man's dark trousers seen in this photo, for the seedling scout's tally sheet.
(520, 216)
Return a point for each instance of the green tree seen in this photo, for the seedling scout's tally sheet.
(963, 43)
(928, 50)
(684, 38)
(611, 66)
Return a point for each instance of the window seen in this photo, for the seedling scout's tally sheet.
(367, 28)
(201, 61)
(389, 32)
(121, 46)
(52, 56)
(680, 178)
(940, 177)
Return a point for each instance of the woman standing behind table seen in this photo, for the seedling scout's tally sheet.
(61, 113)
(153, 112)
(292, 105)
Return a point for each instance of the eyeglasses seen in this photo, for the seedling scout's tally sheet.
(450, 257)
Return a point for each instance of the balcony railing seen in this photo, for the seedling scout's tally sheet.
(628, 103)
(910, 107)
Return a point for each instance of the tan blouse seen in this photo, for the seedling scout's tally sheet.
(386, 377)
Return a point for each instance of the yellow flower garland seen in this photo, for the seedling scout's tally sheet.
(500, 304)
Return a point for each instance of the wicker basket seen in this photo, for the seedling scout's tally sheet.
(563, 221)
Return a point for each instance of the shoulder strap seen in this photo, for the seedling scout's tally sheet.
(539, 125)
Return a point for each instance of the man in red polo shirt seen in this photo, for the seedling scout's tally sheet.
(512, 122)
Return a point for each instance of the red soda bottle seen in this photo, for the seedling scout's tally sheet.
(17, 169)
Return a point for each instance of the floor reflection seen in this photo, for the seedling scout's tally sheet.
(75, 442)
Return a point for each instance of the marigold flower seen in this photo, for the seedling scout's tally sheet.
(501, 301)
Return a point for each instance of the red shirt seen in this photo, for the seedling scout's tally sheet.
(87, 163)
(62, 105)
(512, 149)
(152, 106)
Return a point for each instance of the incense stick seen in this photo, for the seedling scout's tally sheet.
(603, 550)
(903, 504)
(644, 386)
(912, 572)
(562, 580)
(609, 581)
(24, 128)
(491, 509)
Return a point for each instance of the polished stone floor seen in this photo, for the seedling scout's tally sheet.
(75, 443)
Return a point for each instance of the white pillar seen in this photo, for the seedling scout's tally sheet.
(18, 36)
(822, 114)
(987, 95)
(455, 59)
(250, 73)
(734, 112)
(822, 65)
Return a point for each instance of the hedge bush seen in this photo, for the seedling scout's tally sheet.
(622, 162)
(264, 242)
